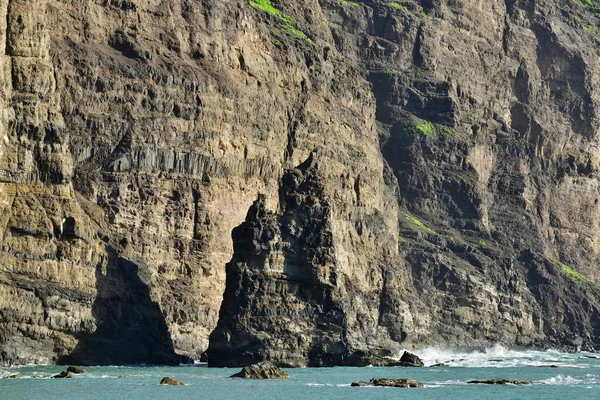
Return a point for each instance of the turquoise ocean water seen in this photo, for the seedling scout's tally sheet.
(575, 377)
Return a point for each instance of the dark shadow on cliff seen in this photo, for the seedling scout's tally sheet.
(130, 328)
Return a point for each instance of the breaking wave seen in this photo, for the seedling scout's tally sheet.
(501, 357)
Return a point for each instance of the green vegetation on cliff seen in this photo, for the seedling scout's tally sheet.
(288, 22)
(574, 275)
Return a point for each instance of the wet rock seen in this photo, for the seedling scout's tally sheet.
(502, 382)
(63, 374)
(438, 365)
(172, 382)
(12, 376)
(76, 370)
(399, 383)
(411, 359)
(263, 370)
(121, 376)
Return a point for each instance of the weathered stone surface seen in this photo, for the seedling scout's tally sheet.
(63, 374)
(502, 382)
(398, 177)
(263, 370)
(411, 359)
(76, 370)
(399, 383)
(172, 382)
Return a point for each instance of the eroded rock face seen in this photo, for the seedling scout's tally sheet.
(393, 177)
(398, 383)
(263, 370)
(170, 382)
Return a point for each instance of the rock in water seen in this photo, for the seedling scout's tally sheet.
(64, 374)
(76, 370)
(263, 370)
(502, 382)
(13, 376)
(399, 383)
(438, 365)
(168, 381)
(411, 359)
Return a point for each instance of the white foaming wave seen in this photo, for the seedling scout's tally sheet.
(499, 356)
(328, 384)
(569, 380)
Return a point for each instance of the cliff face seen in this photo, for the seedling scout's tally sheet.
(314, 182)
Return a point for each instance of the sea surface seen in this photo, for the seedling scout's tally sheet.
(572, 377)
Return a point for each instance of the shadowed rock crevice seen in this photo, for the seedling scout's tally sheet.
(130, 328)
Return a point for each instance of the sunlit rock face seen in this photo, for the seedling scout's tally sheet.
(314, 182)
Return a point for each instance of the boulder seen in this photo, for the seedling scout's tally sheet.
(168, 381)
(76, 370)
(502, 382)
(411, 359)
(398, 383)
(121, 376)
(262, 370)
(13, 376)
(64, 374)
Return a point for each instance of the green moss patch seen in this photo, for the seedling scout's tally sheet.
(428, 128)
(574, 275)
(418, 223)
(288, 22)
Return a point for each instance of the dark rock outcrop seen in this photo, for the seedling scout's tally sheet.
(76, 370)
(12, 376)
(63, 374)
(398, 383)
(171, 382)
(263, 370)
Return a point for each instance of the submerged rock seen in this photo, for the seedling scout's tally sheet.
(263, 370)
(64, 374)
(76, 370)
(502, 382)
(168, 381)
(438, 365)
(399, 383)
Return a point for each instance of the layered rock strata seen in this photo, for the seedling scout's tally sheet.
(318, 182)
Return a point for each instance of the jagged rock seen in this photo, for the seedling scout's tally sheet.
(63, 374)
(399, 383)
(263, 370)
(411, 359)
(171, 382)
(76, 370)
(12, 376)
(502, 382)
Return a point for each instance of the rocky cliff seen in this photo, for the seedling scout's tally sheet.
(310, 182)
